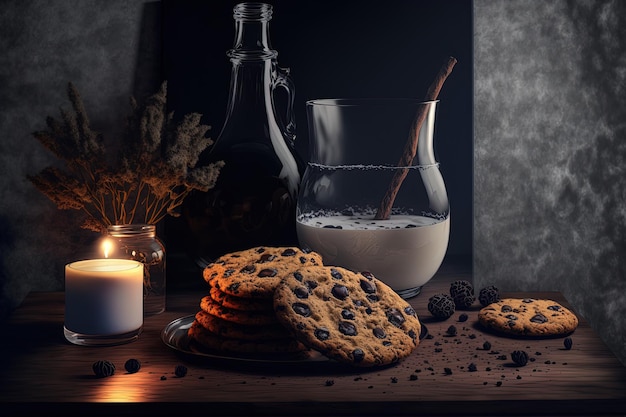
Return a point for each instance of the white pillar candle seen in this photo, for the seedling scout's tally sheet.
(103, 297)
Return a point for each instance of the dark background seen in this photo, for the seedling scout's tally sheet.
(340, 49)
(548, 161)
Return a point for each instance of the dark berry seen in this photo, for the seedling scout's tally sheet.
(180, 371)
(488, 295)
(132, 366)
(451, 331)
(103, 368)
(567, 342)
(519, 357)
(441, 306)
(462, 292)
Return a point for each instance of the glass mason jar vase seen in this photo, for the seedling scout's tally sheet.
(140, 243)
(355, 149)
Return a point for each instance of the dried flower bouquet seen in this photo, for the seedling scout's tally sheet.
(155, 171)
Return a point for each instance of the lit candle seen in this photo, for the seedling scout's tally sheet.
(103, 301)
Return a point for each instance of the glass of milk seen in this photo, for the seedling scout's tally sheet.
(356, 147)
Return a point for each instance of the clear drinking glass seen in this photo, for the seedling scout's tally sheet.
(355, 146)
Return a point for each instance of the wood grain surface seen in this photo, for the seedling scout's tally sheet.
(41, 372)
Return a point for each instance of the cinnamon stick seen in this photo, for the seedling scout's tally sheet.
(410, 148)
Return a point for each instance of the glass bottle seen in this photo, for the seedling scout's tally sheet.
(140, 243)
(254, 200)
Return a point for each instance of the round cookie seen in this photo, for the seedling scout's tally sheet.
(528, 317)
(350, 317)
(254, 318)
(255, 272)
(232, 330)
(240, 303)
(212, 342)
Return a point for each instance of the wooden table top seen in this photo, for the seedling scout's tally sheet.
(41, 372)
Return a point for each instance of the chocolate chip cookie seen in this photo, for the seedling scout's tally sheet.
(255, 318)
(528, 317)
(219, 344)
(240, 303)
(232, 330)
(350, 317)
(255, 272)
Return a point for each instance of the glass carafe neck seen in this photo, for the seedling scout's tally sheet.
(252, 35)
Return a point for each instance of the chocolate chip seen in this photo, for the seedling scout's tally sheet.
(412, 335)
(554, 308)
(506, 308)
(395, 317)
(301, 309)
(297, 275)
(311, 284)
(303, 260)
(372, 297)
(408, 310)
(519, 357)
(322, 334)
(451, 331)
(301, 292)
(511, 316)
(228, 272)
(266, 257)
(567, 342)
(335, 274)
(379, 333)
(347, 314)
(267, 273)
(248, 269)
(180, 371)
(367, 275)
(288, 252)
(347, 328)
(368, 287)
(340, 292)
(527, 300)
(358, 355)
(539, 318)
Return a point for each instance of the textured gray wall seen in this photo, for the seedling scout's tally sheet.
(43, 46)
(550, 153)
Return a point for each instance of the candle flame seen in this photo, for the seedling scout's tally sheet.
(107, 247)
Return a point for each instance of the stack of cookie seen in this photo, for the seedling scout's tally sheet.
(284, 300)
(237, 315)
